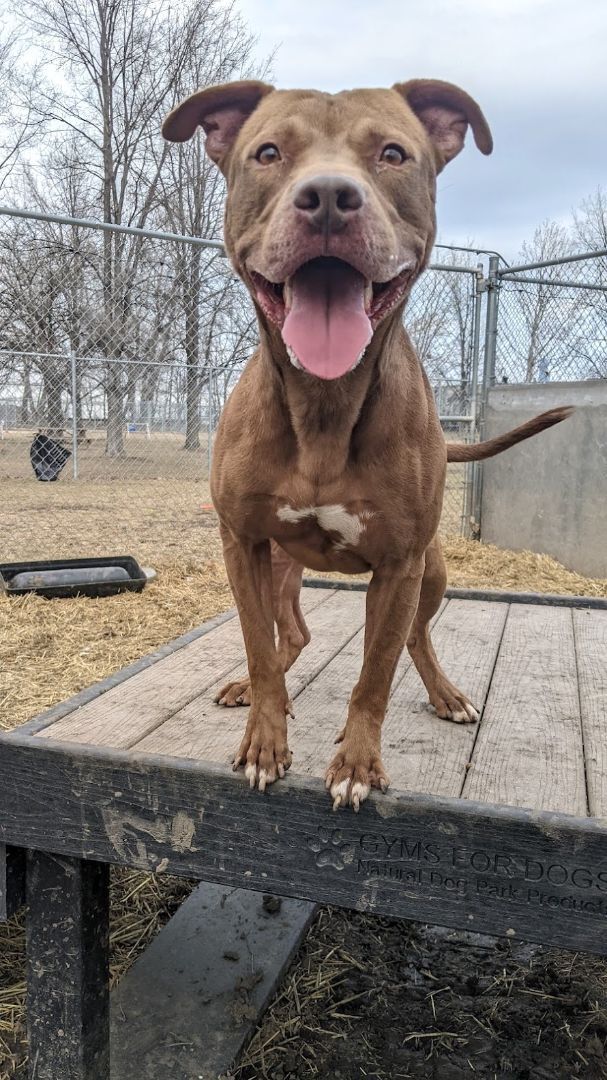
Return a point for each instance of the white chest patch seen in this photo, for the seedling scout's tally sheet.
(333, 518)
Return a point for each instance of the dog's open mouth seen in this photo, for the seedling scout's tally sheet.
(327, 312)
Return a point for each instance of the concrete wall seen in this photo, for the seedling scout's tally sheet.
(549, 494)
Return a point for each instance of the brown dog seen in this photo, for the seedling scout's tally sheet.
(330, 453)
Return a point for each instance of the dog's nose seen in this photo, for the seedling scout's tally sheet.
(329, 202)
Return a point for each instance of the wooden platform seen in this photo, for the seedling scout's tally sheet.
(538, 673)
(471, 834)
(499, 827)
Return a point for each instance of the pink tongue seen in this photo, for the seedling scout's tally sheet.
(327, 327)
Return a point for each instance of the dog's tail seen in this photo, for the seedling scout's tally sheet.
(482, 450)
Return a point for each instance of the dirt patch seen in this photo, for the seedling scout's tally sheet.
(387, 1000)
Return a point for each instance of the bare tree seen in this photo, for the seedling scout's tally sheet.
(125, 64)
(590, 232)
(535, 322)
(590, 223)
(426, 318)
(192, 200)
(18, 126)
(31, 315)
(461, 292)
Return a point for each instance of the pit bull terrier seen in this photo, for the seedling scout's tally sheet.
(329, 453)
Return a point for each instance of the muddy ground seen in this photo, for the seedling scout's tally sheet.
(388, 1000)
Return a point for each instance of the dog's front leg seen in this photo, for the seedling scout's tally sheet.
(392, 600)
(263, 751)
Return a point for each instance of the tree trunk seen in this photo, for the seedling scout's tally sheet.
(192, 420)
(52, 394)
(114, 444)
(26, 408)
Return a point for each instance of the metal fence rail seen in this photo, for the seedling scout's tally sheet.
(120, 346)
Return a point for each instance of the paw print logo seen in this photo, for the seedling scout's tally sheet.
(330, 848)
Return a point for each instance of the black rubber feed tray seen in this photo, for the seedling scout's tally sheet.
(58, 578)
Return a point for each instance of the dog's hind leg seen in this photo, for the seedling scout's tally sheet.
(449, 702)
(293, 634)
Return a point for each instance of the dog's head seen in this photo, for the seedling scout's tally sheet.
(330, 209)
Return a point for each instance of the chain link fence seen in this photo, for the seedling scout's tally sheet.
(119, 347)
(552, 320)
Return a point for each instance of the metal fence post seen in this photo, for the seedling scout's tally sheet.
(209, 417)
(491, 287)
(479, 289)
(74, 415)
(491, 327)
(471, 468)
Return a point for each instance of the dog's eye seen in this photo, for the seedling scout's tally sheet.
(268, 154)
(393, 154)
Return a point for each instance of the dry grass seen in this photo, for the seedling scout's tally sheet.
(484, 566)
(161, 524)
(160, 457)
(162, 521)
(52, 649)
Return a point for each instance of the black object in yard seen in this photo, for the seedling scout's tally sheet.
(75, 577)
(47, 457)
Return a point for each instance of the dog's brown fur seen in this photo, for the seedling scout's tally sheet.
(342, 475)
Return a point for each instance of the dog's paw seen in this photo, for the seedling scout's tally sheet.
(239, 693)
(453, 705)
(235, 693)
(264, 754)
(352, 774)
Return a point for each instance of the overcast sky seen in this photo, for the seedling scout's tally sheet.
(538, 68)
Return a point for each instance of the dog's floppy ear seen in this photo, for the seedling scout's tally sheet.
(445, 111)
(219, 110)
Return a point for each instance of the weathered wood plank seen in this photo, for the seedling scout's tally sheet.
(502, 596)
(420, 751)
(529, 750)
(12, 881)
(191, 1001)
(590, 633)
(211, 732)
(130, 710)
(90, 693)
(448, 861)
(67, 968)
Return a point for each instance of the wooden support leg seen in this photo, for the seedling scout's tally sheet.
(67, 968)
(12, 880)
